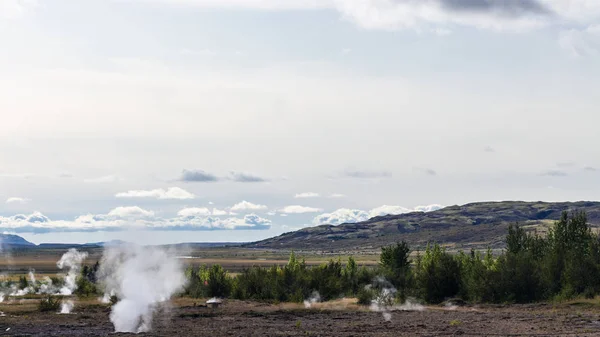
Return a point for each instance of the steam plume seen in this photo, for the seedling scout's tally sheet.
(142, 278)
(32, 277)
(385, 300)
(66, 307)
(314, 298)
(72, 259)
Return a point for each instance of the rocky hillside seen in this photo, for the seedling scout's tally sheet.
(477, 225)
(13, 240)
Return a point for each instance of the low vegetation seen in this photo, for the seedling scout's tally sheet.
(50, 303)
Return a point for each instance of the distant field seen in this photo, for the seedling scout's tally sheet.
(43, 261)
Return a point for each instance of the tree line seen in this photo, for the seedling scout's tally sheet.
(563, 264)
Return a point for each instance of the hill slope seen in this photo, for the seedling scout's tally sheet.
(13, 240)
(476, 225)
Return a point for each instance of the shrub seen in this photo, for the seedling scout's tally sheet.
(85, 287)
(365, 296)
(395, 265)
(57, 282)
(23, 282)
(437, 275)
(219, 284)
(49, 303)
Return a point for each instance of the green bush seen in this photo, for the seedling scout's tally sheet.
(49, 303)
(365, 296)
(395, 266)
(85, 287)
(437, 275)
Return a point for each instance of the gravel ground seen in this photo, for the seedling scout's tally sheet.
(341, 318)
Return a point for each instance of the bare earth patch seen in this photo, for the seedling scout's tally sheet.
(185, 317)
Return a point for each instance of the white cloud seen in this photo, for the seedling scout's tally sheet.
(130, 212)
(428, 208)
(297, 209)
(200, 211)
(17, 200)
(385, 210)
(216, 211)
(581, 42)
(195, 211)
(337, 195)
(345, 215)
(102, 180)
(248, 206)
(340, 216)
(159, 193)
(307, 195)
(123, 218)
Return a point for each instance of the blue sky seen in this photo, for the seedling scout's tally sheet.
(359, 107)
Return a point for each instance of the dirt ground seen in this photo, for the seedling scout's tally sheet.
(339, 318)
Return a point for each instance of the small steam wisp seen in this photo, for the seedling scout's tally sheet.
(314, 298)
(142, 278)
(385, 300)
(66, 307)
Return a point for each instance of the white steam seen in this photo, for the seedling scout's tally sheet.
(385, 300)
(66, 307)
(32, 276)
(450, 306)
(72, 259)
(142, 278)
(410, 305)
(314, 298)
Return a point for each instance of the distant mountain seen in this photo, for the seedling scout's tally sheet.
(476, 225)
(13, 240)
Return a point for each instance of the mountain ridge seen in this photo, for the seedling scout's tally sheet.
(475, 225)
(14, 240)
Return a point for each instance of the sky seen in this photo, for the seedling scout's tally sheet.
(166, 121)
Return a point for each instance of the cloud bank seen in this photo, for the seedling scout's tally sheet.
(345, 215)
(127, 218)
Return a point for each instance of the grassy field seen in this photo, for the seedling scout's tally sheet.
(234, 259)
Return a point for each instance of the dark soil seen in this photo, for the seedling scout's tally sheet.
(237, 318)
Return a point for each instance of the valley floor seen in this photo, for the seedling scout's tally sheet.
(339, 318)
